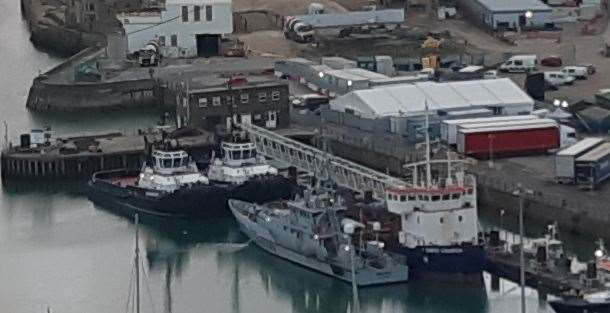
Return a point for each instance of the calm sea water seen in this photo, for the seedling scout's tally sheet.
(58, 250)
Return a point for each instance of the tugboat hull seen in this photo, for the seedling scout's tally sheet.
(199, 200)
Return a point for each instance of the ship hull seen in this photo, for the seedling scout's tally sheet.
(563, 306)
(199, 201)
(457, 262)
(263, 238)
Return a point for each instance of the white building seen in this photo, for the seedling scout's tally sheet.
(508, 14)
(502, 96)
(184, 28)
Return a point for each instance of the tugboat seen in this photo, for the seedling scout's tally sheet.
(307, 232)
(170, 184)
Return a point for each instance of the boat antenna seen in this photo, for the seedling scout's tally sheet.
(428, 170)
(137, 262)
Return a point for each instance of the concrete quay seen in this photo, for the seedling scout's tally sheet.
(77, 157)
(131, 86)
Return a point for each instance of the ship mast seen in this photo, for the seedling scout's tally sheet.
(428, 170)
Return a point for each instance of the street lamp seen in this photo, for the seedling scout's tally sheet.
(529, 14)
(321, 74)
(520, 192)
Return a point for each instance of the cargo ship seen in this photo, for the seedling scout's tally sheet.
(170, 184)
(433, 221)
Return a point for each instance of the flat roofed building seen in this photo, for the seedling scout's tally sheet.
(182, 28)
(508, 14)
(216, 102)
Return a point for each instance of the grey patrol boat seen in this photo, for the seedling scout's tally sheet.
(306, 231)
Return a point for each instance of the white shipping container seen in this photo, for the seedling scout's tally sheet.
(449, 128)
(564, 159)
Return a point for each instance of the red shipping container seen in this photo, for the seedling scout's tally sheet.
(508, 141)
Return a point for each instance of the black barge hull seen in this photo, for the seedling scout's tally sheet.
(198, 201)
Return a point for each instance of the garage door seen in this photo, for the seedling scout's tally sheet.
(208, 45)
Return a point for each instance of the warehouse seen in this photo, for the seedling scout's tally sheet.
(508, 15)
(400, 109)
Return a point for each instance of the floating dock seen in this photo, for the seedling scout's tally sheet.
(78, 156)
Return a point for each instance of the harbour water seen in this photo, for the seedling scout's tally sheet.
(59, 251)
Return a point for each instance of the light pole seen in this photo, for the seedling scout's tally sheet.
(520, 193)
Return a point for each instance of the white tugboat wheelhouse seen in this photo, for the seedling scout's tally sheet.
(169, 171)
(239, 162)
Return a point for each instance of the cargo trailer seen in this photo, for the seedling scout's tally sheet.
(449, 127)
(535, 121)
(593, 167)
(512, 140)
(565, 159)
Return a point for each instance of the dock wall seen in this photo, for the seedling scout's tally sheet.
(56, 38)
(45, 96)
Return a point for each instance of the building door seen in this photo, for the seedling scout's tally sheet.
(208, 45)
(521, 20)
(271, 119)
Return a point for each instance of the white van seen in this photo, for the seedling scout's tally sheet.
(578, 72)
(520, 63)
(557, 78)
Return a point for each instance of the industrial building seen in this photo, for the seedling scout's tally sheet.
(182, 28)
(216, 102)
(389, 119)
(507, 15)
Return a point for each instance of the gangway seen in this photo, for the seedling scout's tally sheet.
(322, 164)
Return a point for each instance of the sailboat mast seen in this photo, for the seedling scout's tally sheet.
(137, 261)
(428, 170)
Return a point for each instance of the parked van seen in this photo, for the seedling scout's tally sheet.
(520, 63)
(578, 72)
(557, 78)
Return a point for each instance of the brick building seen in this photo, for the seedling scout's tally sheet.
(259, 100)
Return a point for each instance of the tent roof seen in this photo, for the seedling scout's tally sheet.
(411, 99)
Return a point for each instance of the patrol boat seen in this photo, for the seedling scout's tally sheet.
(307, 232)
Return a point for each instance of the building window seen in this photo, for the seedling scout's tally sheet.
(208, 13)
(203, 102)
(185, 13)
(442, 220)
(126, 21)
(262, 97)
(245, 98)
(229, 100)
(216, 101)
(459, 218)
(197, 13)
(275, 95)
(174, 40)
(162, 41)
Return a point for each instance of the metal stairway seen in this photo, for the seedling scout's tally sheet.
(323, 165)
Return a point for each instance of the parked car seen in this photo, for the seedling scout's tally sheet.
(557, 78)
(427, 73)
(491, 74)
(552, 61)
(578, 72)
(519, 63)
(590, 68)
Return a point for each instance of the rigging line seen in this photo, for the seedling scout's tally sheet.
(147, 279)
